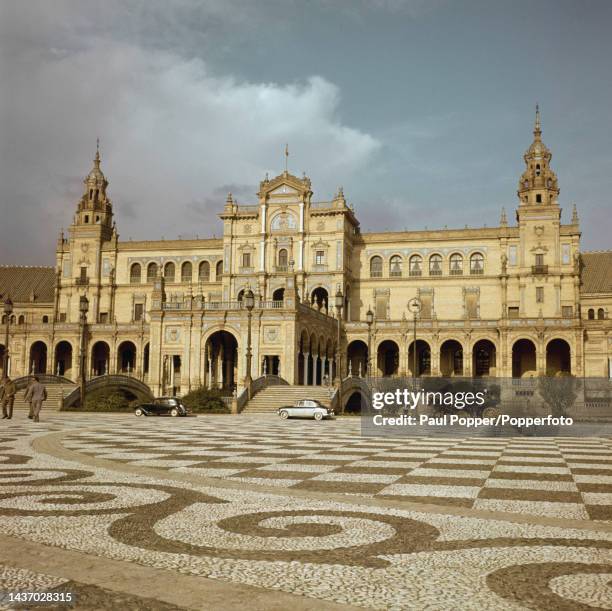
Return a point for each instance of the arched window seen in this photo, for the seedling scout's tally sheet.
(538, 198)
(282, 258)
(45, 320)
(416, 265)
(526, 184)
(455, 265)
(204, 271)
(435, 265)
(135, 273)
(21, 320)
(395, 266)
(477, 264)
(169, 271)
(151, 272)
(600, 314)
(13, 319)
(186, 272)
(376, 265)
(219, 270)
(591, 314)
(538, 171)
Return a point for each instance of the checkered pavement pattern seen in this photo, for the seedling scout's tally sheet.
(560, 477)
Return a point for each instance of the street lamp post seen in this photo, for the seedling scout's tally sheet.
(369, 320)
(339, 304)
(249, 302)
(414, 306)
(83, 309)
(8, 310)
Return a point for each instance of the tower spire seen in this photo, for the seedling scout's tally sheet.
(537, 128)
(97, 157)
(286, 157)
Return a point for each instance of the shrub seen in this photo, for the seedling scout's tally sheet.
(204, 400)
(107, 400)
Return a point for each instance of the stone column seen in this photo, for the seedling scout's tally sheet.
(306, 357)
(315, 359)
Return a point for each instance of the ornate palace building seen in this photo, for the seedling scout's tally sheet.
(519, 299)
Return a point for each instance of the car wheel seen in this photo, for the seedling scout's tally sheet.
(139, 412)
(318, 416)
(284, 414)
(174, 412)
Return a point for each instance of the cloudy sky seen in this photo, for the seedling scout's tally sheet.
(420, 109)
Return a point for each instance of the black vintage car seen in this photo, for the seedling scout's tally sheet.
(162, 406)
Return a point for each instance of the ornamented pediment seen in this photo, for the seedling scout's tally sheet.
(284, 189)
(320, 244)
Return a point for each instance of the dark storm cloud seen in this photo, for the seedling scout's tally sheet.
(420, 110)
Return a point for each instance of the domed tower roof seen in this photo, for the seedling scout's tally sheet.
(538, 184)
(96, 177)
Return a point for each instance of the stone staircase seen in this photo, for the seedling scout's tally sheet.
(55, 394)
(269, 399)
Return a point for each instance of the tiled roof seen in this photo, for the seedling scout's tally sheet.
(20, 282)
(597, 271)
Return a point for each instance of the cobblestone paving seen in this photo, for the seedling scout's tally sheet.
(359, 551)
(564, 477)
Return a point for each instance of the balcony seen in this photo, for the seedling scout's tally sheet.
(281, 269)
(456, 272)
(539, 269)
(81, 281)
(415, 272)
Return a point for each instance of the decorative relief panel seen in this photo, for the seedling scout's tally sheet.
(172, 335)
(271, 334)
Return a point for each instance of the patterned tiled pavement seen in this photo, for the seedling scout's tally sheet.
(309, 511)
(564, 477)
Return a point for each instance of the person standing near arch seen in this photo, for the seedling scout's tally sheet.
(7, 395)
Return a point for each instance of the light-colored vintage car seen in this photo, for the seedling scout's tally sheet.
(306, 408)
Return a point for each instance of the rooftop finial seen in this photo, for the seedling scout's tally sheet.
(575, 215)
(286, 157)
(503, 221)
(97, 157)
(537, 130)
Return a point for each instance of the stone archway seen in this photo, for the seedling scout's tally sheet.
(221, 360)
(451, 358)
(387, 358)
(558, 357)
(423, 358)
(100, 359)
(320, 298)
(126, 358)
(38, 357)
(524, 362)
(357, 358)
(63, 359)
(353, 403)
(484, 359)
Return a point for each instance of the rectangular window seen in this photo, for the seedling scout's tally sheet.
(426, 301)
(513, 312)
(565, 254)
(539, 294)
(567, 311)
(381, 306)
(471, 305)
(246, 259)
(320, 257)
(62, 317)
(103, 317)
(512, 255)
(539, 260)
(138, 311)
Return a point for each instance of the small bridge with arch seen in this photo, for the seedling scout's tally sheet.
(132, 385)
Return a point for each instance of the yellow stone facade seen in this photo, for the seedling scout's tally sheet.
(509, 300)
